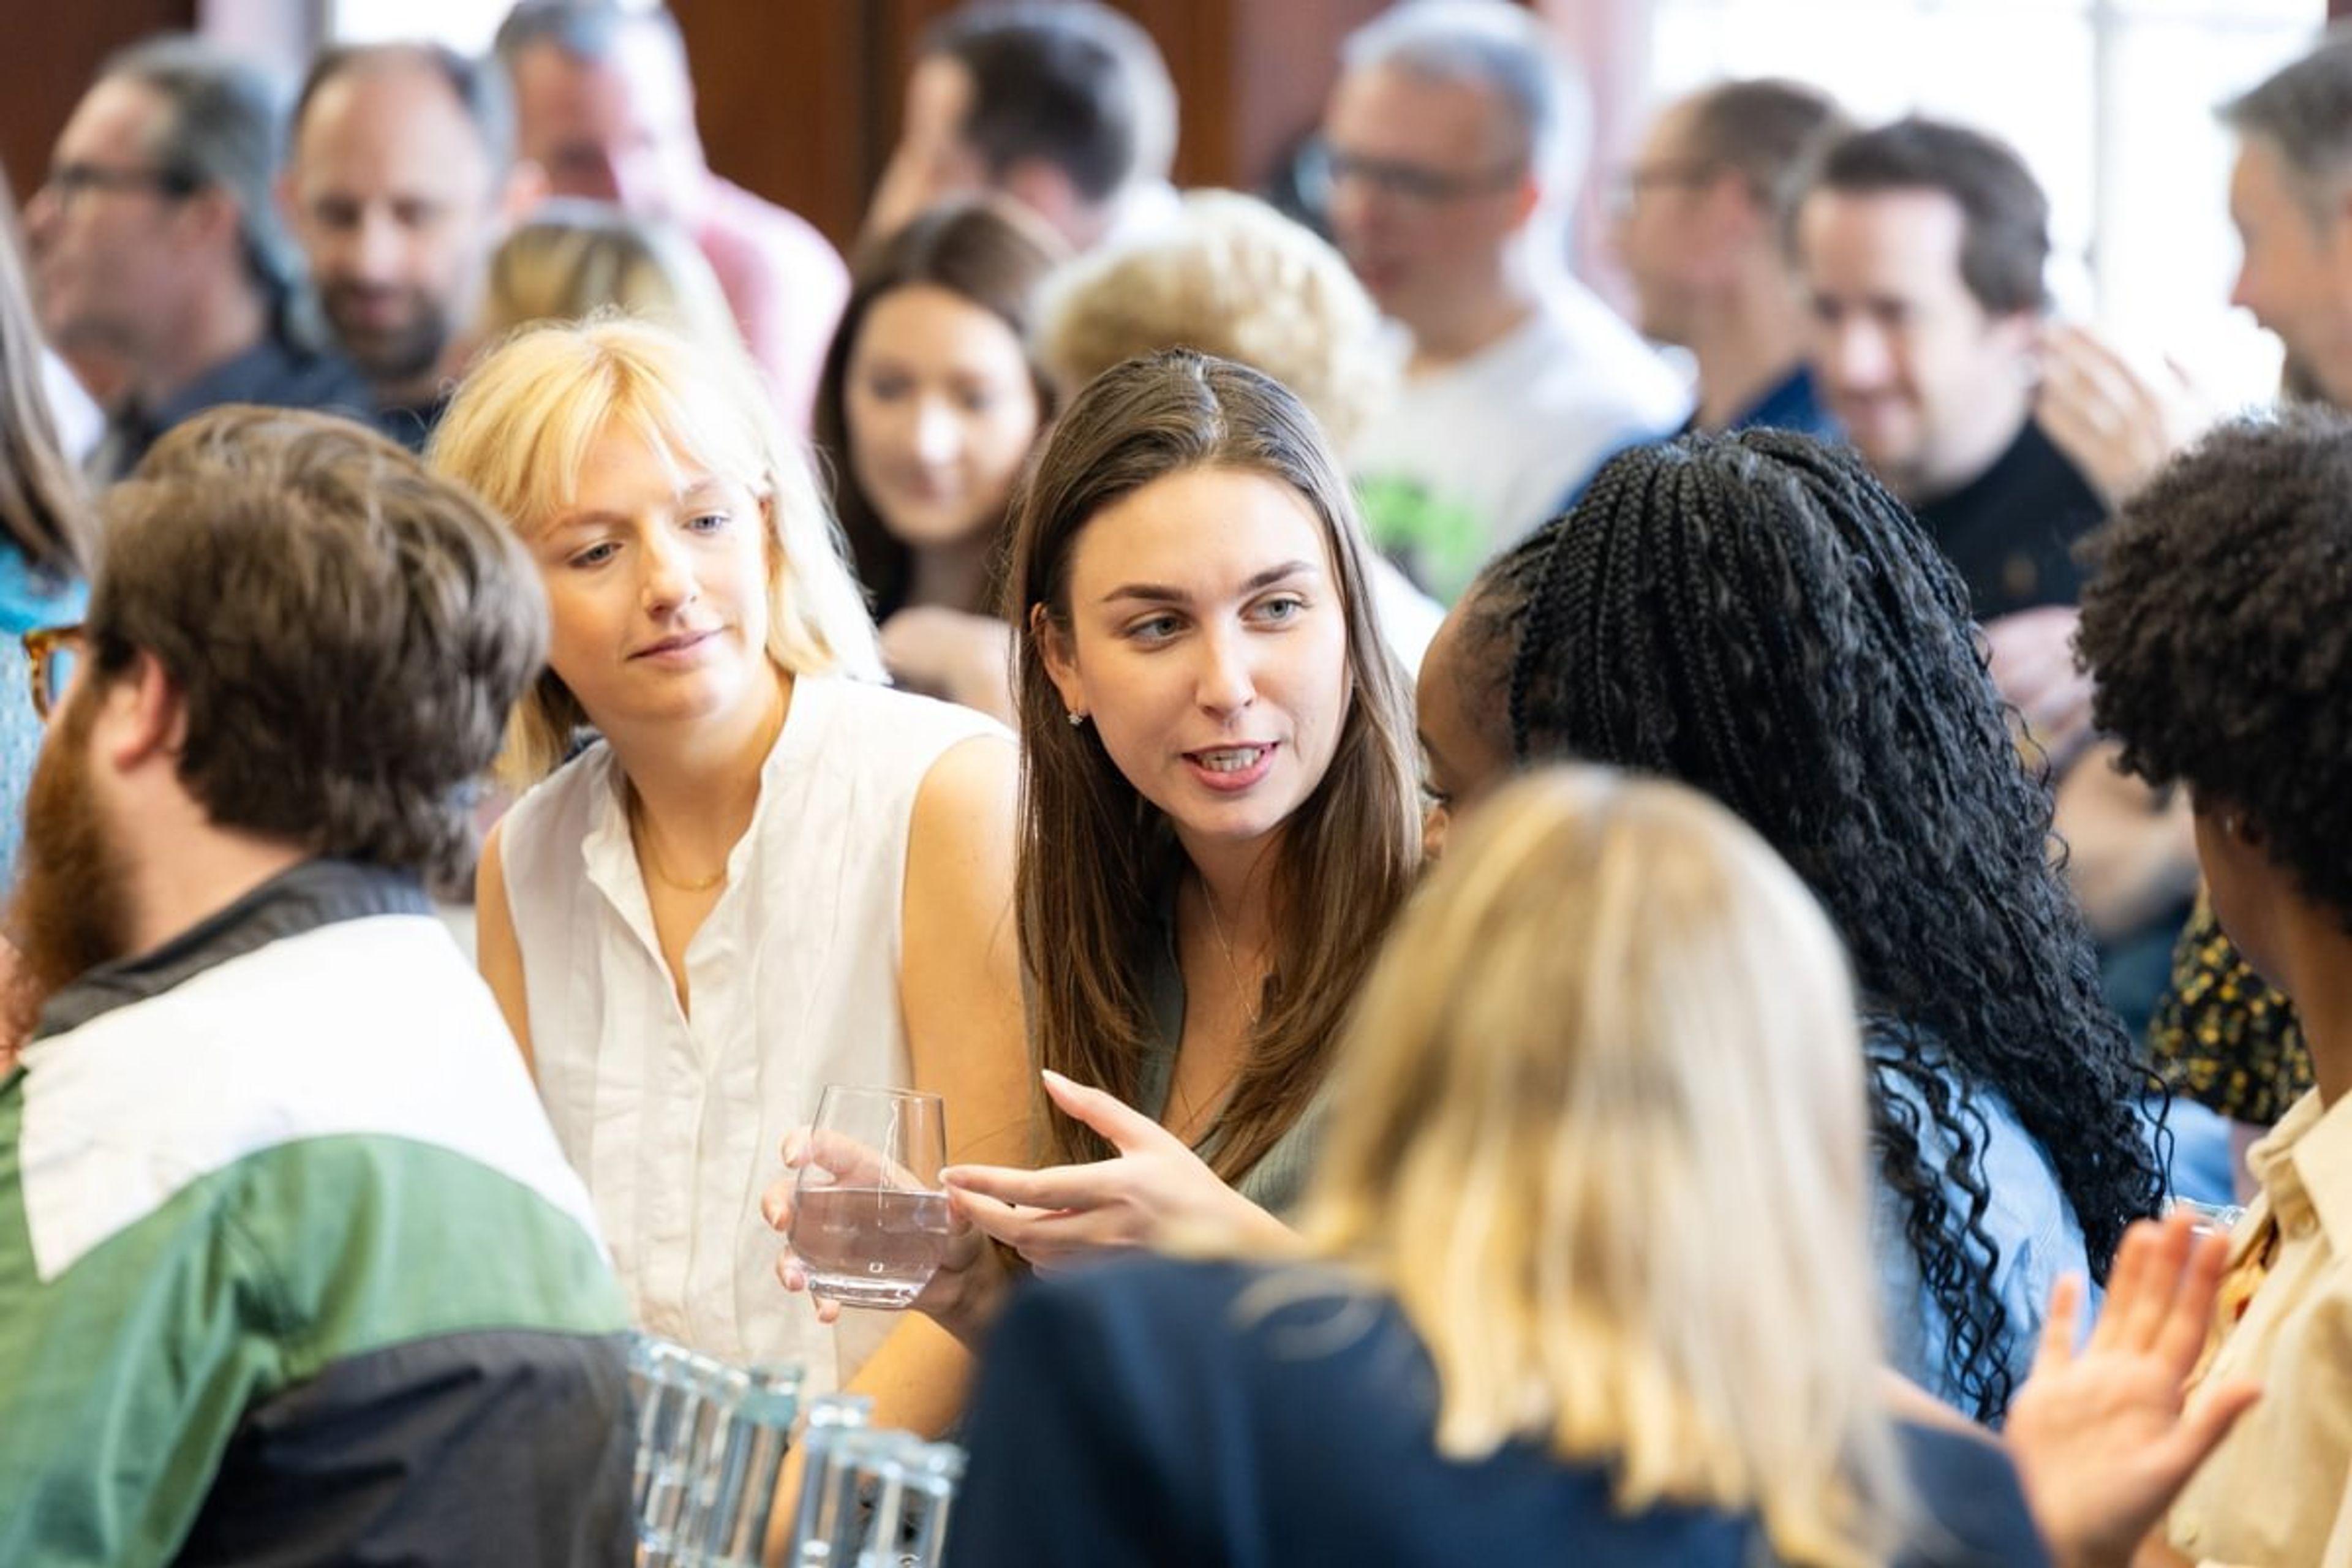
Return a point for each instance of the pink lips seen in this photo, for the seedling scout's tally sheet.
(677, 649)
(1229, 781)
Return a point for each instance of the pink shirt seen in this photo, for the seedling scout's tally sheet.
(785, 282)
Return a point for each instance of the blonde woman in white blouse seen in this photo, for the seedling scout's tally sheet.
(767, 871)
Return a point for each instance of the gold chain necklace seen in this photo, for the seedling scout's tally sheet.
(645, 838)
(1217, 929)
(641, 831)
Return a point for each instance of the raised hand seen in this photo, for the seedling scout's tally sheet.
(2105, 1436)
(2115, 421)
(2033, 658)
(1154, 1187)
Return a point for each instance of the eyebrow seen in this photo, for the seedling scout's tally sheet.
(565, 522)
(1161, 593)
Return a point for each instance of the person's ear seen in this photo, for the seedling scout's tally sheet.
(1060, 659)
(142, 715)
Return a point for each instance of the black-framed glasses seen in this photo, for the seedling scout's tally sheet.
(67, 181)
(1328, 168)
(54, 653)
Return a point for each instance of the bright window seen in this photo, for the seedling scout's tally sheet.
(2110, 101)
(465, 25)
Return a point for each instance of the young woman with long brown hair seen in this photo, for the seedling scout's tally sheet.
(1218, 813)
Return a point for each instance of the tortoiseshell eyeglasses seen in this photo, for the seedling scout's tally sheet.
(54, 653)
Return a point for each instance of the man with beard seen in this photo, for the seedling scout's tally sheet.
(400, 183)
(292, 1268)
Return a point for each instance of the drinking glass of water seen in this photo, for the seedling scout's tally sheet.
(869, 1217)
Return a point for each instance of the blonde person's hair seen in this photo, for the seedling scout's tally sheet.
(521, 426)
(1234, 279)
(573, 259)
(1599, 1127)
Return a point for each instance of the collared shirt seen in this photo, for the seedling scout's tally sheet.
(273, 373)
(676, 1119)
(2279, 1488)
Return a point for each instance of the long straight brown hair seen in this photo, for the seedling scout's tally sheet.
(1097, 860)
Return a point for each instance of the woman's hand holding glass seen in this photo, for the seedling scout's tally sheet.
(962, 1291)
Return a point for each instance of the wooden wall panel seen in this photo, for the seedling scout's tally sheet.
(53, 47)
(801, 100)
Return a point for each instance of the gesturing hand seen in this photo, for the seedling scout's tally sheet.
(2115, 421)
(1153, 1185)
(2104, 1437)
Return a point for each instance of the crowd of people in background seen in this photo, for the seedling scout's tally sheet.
(1530, 948)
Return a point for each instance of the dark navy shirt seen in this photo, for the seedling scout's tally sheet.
(2011, 530)
(273, 373)
(1791, 405)
(1154, 1412)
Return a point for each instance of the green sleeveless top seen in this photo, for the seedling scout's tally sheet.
(1279, 1178)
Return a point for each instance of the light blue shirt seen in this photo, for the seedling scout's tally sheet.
(2033, 1230)
(30, 598)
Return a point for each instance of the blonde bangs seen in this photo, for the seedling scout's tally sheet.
(525, 420)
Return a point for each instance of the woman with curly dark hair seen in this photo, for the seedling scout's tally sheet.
(1757, 617)
(2219, 632)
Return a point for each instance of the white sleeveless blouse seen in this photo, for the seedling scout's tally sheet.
(677, 1124)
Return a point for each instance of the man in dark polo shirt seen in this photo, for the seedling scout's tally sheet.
(1922, 245)
(161, 269)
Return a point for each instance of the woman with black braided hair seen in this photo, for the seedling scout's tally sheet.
(1755, 616)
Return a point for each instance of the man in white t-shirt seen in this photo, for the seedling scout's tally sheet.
(1456, 141)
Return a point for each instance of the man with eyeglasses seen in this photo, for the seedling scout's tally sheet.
(1700, 227)
(291, 1266)
(1455, 143)
(161, 270)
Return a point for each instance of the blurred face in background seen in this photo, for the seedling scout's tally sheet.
(1429, 184)
(619, 130)
(111, 229)
(941, 412)
(1929, 385)
(2296, 274)
(1682, 221)
(398, 207)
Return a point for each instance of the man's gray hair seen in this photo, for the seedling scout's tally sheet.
(588, 30)
(224, 125)
(478, 85)
(1503, 49)
(2305, 110)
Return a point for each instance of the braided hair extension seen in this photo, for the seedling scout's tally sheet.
(1755, 615)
